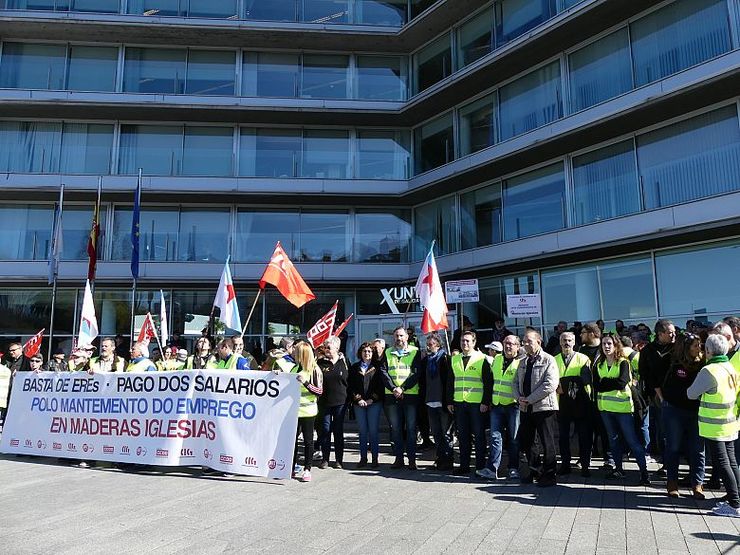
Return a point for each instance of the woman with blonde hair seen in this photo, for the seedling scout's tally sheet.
(311, 380)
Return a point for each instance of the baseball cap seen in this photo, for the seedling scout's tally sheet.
(182, 354)
(496, 346)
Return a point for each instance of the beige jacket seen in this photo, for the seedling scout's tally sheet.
(545, 380)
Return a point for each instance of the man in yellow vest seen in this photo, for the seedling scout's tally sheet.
(399, 368)
(469, 387)
(139, 359)
(575, 406)
(202, 357)
(717, 386)
(228, 359)
(108, 361)
(504, 410)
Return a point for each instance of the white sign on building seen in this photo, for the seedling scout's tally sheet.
(524, 306)
(462, 291)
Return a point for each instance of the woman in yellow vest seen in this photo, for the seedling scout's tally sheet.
(311, 380)
(717, 388)
(614, 401)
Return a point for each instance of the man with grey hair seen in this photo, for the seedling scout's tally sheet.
(717, 387)
(379, 346)
(733, 352)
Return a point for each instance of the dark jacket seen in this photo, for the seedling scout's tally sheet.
(655, 360)
(335, 382)
(365, 387)
(22, 364)
(677, 380)
(443, 368)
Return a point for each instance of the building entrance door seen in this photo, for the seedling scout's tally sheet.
(373, 327)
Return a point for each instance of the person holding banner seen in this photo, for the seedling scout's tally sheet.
(202, 357)
(228, 359)
(108, 361)
(169, 361)
(139, 362)
(310, 377)
(37, 363)
(78, 361)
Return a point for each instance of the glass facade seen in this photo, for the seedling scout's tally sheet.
(534, 203)
(382, 235)
(271, 74)
(516, 17)
(435, 221)
(382, 155)
(531, 101)
(185, 8)
(381, 78)
(432, 63)
(434, 144)
(478, 125)
(475, 38)
(325, 76)
(480, 217)
(25, 231)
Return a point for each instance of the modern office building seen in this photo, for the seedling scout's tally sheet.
(587, 151)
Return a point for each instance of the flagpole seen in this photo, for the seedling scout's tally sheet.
(251, 311)
(96, 226)
(133, 288)
(57, 222)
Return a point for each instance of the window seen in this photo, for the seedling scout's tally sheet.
(516, 17)
(225, 9)
(678, 294)
(534, 203)
(211, 72)
(691, 159)
(25, 231)
(382, 155)
(325, 76)
(325, 154)
(434, 144)
(380, 12)
(156, 149)
(26, 311)
(326, 11)
(381, 78)
(418, 6)
(33, 66)
(270, 152)
(86, 148)
(184, 8)
(154, 70)
(480, 217)
(76, 221)
(492, 305)
(274, 10)
(605, 183)
(270, 74)
(433, 63)
(30, 147)
(382, 235)
(324, 237)
(99, 6)
(627, 289)
(680, 35)
(436, 221)
(531, 101)
(475, 38)
(600, 71)
(158, 238)
(208, 151)
(477, 125)
(257, 233)
(204, 235)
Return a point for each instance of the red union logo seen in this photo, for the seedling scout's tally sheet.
(186, 453)
(250, 462)
(163, 453)
(108, 449)
(14, 442)
(56, 446)
(226, 459)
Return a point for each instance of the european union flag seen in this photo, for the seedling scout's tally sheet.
(135, 232)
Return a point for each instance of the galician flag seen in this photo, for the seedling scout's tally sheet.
(226, 300)
(88, 321)
(431, 296)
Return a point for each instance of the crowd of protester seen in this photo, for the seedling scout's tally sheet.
(658, 394)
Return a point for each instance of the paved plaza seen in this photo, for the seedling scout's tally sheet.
(52, 507)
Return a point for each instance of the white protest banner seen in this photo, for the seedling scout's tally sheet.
(523, 306)
(462, 291)
(241, 422)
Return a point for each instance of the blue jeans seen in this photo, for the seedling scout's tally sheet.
(332, 423)
(368, 419)
(622, 426)
(678, 424)
(504, 417)
(439, 423)
(398, 414)
(469, 420)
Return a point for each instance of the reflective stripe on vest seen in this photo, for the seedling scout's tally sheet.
(229, 363)
(309, 405)
(503, 381)
(615, 400)
(210, 363)
(574, 367)
(468, 380)
(399, 368)
(717, 411)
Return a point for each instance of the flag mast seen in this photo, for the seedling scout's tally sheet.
(54, 254)
(135, 250)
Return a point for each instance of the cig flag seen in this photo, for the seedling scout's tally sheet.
(32, 346)
(431, 296)
(321, 330)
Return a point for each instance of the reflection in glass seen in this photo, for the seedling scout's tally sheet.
(691, 159)
(86, 148)
(157, 149)
(480, 217)
(30, 147)
(531, 101)
(325, 76)
(211, 72)
(435, 221)
(326, 11)
(433, 144)
(204, 235)
(382, 235)
(25, 231)
(627, 290)
(492, 305)
(381, 78)
(382, 155)
(600, 71)
(76, 222)
(325, 154)
(274, 10)
(324, 237)
(477, 125)
(516, 17)
(92, 68)
(380, 12)
(535, 202)
(258, 232)
(271, 74)
(432, 64)
(605, 183)
(154, 70)
(208, 151)
(270, 152)
(158, 239)
(33, 66)
(475, 38)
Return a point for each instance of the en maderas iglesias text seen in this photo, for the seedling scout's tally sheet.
(187, 415)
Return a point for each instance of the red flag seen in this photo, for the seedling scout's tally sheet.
(281, 273)
(147, 331)
(321, 330)
(32, 346)
(343, 325)
(431, 296)
(92, 241)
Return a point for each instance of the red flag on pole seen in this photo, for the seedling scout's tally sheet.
(93, 239)
(343, 325)
(147, 331)
(32, 346)
(321, 330)
(281, 273)
(431, 296)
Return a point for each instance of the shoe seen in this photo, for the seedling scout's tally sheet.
(546, 482)
(645, 480)
(318, 456)
(323, 464)
(529, 478)
(461, 471)
(375, 463)
(726, 510)
(297, 469)
(585, 473)
(306, 476)
(83, 464)
(672, 488)
(486, 474)
(337, 465)
(412, 465)
(362, 463)
(513, 474)
(616, 474)
(398, 463)
(713, 484)
(564, 470)
(649, 459)
(608, 466)
(697, 492)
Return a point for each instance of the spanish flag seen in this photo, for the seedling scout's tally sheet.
(92, 242)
